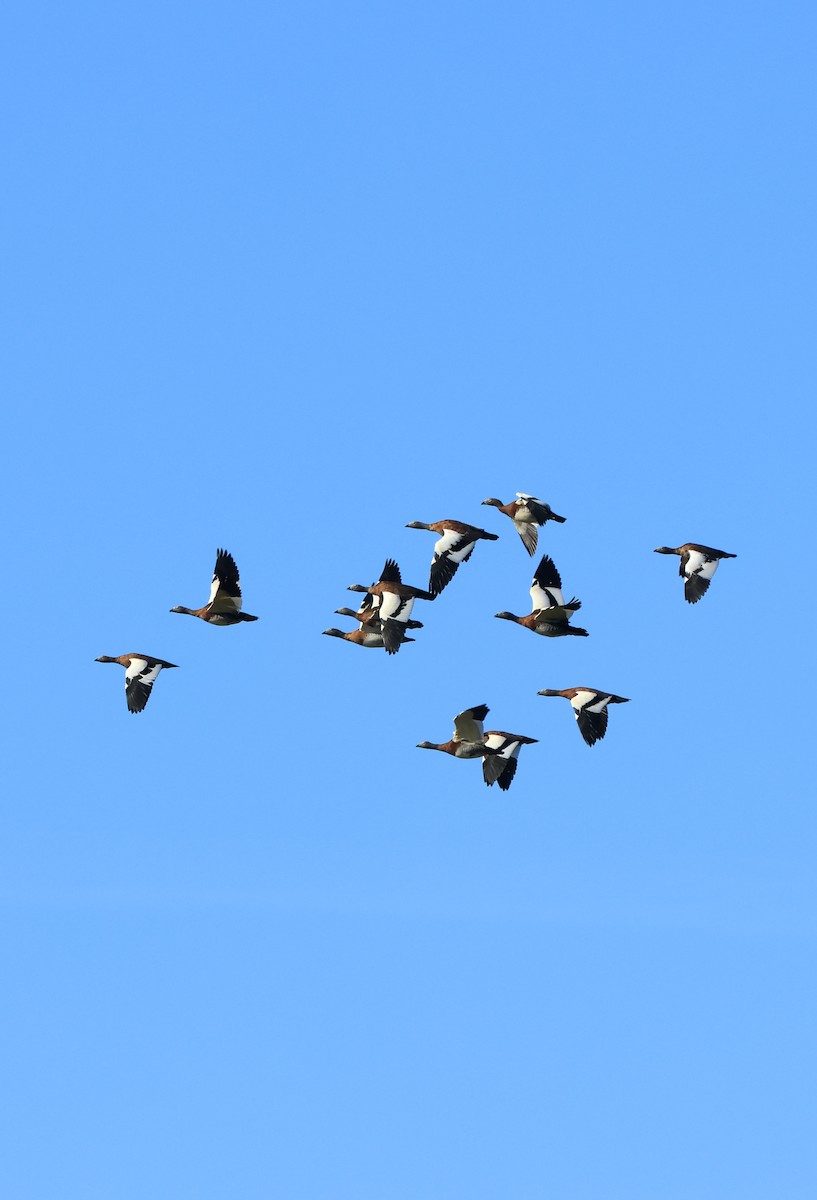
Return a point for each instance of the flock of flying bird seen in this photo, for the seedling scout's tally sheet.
(384, 620)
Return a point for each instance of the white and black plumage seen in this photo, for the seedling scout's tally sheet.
(394, 601)
(500, 767)
(698, 565)
(589, 708)
(469, 736)
(527, 512)
(546, 591)
(551, 613)
(141, 672)
(224, 605)
(454, 546)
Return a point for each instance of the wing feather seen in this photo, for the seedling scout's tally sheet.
(225, 590)
(468, 725)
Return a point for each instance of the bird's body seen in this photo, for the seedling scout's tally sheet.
(538, 622)
(224, 605)
(455, 546)
(589, 708)
(455, 748)
(526, 512)
(141, 672)
(369, 635)
(698, 565)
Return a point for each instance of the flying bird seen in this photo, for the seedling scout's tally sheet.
(141, 672)
(469, 736)
(394, 601)
(589, 708)
(224, 605)
(698, 565)
(501, 767)
(527, 512)
(455, 546)
(369, 632)
(551, 614)
(369, 635)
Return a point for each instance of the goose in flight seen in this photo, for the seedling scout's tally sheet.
(224, 605)
(698, 565)
(589, 708)
(455, 545)
(551, 614)
(527, 512)
(501, 767)
(141, 672)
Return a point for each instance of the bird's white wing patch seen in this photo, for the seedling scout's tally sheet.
(583, 697)
(466, 728)
(708, 569)
(450, 545)
(550, 597)
(698, 564)
(528, 532)
(462, 555)
(445, 543)
(507, 747)
(395, 608)
(146, 674)
(137, 666)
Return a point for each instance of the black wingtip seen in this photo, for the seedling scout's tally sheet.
(390, 572)
(546, 574)
(442, 572)
(592, 726)
(695, 588)
(506, 778)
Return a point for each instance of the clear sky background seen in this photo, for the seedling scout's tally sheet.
(282, 278)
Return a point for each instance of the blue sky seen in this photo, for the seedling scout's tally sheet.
(283, 279)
